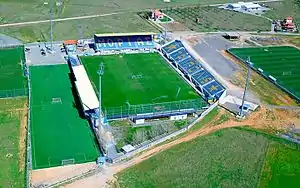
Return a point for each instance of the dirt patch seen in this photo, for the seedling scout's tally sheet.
(175, 26)
(193, 40)
(22, 141)
(57, 174)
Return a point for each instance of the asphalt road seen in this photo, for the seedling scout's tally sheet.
(210, 47)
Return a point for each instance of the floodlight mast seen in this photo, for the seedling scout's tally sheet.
(241, 114)
(100, 73)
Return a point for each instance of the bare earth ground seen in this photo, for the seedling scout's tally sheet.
(57, 174)
(264, 118)
(22, 141)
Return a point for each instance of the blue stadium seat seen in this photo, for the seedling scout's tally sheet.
(190, 65)
(213, 89)
(172, 47)
(179, 55)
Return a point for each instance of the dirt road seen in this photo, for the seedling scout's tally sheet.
(265, 118)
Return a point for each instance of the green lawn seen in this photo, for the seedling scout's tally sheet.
(227, 158)
(13, 83)
(281, 62)
(282, 166)
(134, 79)
(11, 172)
(57, 131)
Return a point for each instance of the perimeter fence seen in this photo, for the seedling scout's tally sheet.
(155, 109)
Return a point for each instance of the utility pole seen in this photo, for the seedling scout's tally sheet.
(51, 23)
(100, 73)
(246, 86)
(51, 27)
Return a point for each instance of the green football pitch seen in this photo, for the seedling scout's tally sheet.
(13, 83)
(57, 131)
(280, 62)
(137, 79)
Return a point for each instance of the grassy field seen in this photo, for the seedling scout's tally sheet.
(74, 29)
(282, 166)
(134, 79)
(23, 8)
(215, 19)
(279, 62)
(13, 83)
(57, 131)
(227, 158)
(12, 157)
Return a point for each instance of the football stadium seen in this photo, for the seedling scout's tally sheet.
(140, 81)
(279, 64)
(137, 79)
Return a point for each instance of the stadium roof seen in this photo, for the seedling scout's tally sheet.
(123, 34)
(85, 89)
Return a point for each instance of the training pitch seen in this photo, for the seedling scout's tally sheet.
(279, 64)
(137, 79)
(11, 74)
(58, 135)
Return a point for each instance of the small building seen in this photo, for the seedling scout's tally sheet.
(128, 148)
(249, 6)
(231, 35)
(233, 6)
(156, 14)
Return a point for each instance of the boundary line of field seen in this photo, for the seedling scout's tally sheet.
(265, 76)
(28, 164)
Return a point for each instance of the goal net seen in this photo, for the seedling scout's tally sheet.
(67, 162)
(56, 101)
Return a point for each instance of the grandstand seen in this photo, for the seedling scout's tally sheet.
(192, 69)
(123, 41)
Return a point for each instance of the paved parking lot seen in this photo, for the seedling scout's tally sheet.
(210, 47)
(34, 56)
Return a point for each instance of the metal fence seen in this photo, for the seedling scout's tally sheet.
(155, 109)
(13, 93)
(28, 163)
(155, 141)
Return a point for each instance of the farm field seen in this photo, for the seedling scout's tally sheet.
(57, 131)
(215, 19)
(74, 29)
(226, 158)
(12, 142)
(138, 79)
(22, 8)
(13, 82)
(281, 62)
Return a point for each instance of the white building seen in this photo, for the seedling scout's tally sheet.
(245, 7)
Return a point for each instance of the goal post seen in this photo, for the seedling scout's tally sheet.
(67, 162)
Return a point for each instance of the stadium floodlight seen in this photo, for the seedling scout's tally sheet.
(51, 24)
(100, 72)
(248, 62)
